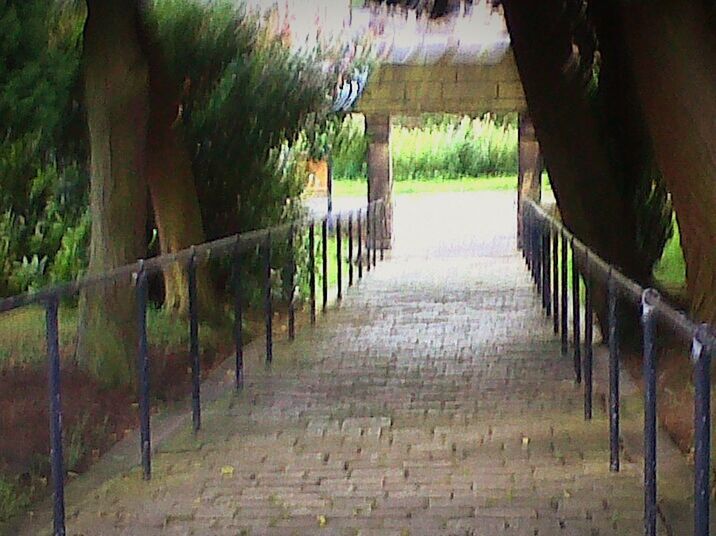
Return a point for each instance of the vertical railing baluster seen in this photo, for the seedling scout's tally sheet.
(555, 280)
(613, 374)
(368, 231)
(539, 239)
(526, 239)
(533, 244)
(350, 249)
(56, 459)
(324, 259)
(588, 338)
(535, 250)
(359, 255)
(143, 370)
(538, 254)
(238, 318)
(375, 235)
(649, 327)
(268, 300)
(312, 270)
(339, 260)
(383, 224)
(701, 355)
(577, 342)
(565, 297)
(291, 285)
(547, 271)
(530, 240)
(194, 344)
(520, 229)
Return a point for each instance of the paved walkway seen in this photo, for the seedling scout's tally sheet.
(433, 400)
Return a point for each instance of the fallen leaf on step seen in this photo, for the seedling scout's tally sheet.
(227, 470)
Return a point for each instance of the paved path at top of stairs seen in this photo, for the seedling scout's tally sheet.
(432, 400)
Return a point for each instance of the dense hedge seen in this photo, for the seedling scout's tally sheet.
(247, 97)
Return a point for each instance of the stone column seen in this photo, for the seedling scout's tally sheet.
(529, 178)
(380, 170)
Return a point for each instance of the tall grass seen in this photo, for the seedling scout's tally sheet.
(442, 147)
(450, 148)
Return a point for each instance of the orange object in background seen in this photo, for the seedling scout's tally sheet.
(317, 171)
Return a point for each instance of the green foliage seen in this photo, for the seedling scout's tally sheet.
(350, 148)
(670, 271)
(12, 500)
(254, 111)
(42, 188)
(444, 146)
(248, 94)
(455, 147)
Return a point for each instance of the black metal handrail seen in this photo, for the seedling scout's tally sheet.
(542, 236)
(370, 225)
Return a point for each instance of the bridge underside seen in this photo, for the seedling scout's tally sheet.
(460, 88)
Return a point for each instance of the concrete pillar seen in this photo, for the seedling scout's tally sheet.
(380, 170)
(529, 178)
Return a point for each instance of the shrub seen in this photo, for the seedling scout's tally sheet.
(442, 147)
(42, 188)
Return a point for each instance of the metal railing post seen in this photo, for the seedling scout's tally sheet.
(312, 270)
(359, 255)
(531, 254)
(375, 235)
(143, 371)
(291, 285)
(547, 268)
(533, 244)
(368, 236)
(649, 327)
(555, 281)
(383, 224)
(56, 459)
(575, 317)
(339, 260)
(526, 239)
(268, 305)
(540, 260)
(613, 375)
(539, 243)
(588, 339)
(350, 249)
(701, 355)
(194, 345)
(324, 259)
(565, 298)
(521, 230)
(238, 319)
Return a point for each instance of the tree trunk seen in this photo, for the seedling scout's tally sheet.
(556, 76)
(171, 185)
(117, 102)
(529, 176)
(673, 55)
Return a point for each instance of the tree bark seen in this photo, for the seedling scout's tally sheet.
(529, 176)
(673, 56)
(556, 76)
(117, 102)
(171, 185)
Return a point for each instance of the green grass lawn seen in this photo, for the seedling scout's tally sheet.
(350, 188)
(22, 334)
